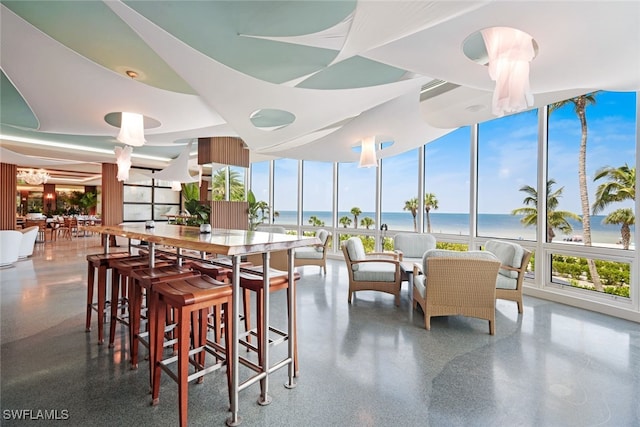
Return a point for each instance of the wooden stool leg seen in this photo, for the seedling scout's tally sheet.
(102, 290)
(115, 292)
(90, 285)
(135, 307)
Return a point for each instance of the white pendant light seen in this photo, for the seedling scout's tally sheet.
(132, 129)
(368, 153)
(510, 51)
(123, 159)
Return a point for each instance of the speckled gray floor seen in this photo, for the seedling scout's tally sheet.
(365, 364)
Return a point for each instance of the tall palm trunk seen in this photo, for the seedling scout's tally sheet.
(415, 223)
(584, 196)
(625, 231)
(428, 221)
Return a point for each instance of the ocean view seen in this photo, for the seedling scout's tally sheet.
(489, 225)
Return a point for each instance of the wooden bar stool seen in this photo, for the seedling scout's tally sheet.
(120, 279)
(101, 264)
(190, 297)
(251, 280)
(141, 284)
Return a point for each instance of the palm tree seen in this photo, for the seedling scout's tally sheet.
(262, 206)
(218, 185)
(315, 221)
(580, 104)
(624, 217)
(367, 222)
(345, 221)
(555, 219)
(620, 187)
(430, 202)
(355, 211)
(412, 206)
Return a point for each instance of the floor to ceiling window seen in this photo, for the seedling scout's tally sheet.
(446, 183)
(317, 199)
(507, 176)
(399, 192)
(285, 192)
(357, 202)
(592, 150)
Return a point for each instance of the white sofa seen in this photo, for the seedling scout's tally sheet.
(9, 247)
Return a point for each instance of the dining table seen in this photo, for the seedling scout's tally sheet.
(231, 245)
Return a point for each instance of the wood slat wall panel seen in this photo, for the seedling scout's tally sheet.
(229, 215)
(112, 195)
(226, 150)
(8, 186)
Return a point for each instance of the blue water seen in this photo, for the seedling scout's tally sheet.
(489, 225)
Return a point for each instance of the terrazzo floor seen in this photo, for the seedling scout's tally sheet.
(365, 364)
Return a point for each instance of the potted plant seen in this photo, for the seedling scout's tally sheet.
(199, 211)
(256, 211)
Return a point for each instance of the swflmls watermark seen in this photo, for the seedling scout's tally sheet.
(35, 414)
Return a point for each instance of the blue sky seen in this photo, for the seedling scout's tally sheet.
(507, 161)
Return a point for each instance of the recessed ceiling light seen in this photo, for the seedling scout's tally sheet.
(131, 74)
(475, 108)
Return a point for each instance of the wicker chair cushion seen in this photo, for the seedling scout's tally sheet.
(322, 235)
(308, 252)
(271, 229)
(355, 249)
(375, 272)
(413, 245)
(504, 282)
(508, 253)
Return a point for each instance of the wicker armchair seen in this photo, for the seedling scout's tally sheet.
(449, 283)
(373, 271)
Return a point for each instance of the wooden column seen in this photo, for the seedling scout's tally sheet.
(226, 150)
(8, 186)
(112, 195)
(229, 215)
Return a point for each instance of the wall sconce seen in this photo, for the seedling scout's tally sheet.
(510, 51)
(123, 159)
(132, 129)
(49, 198)
(368, 153)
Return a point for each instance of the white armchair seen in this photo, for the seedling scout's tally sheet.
(9, 247)
(314, 255)
(371, 272)
(514, 260)
(28, 241)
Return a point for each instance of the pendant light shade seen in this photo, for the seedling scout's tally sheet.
(368, 153)
(123, 159)
(132, 129)
(510, 51)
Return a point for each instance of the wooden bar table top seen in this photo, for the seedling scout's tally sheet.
(232, 243)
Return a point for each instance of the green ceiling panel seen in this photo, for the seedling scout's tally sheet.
(13, 109)
(94, 31)
(353, 72)
(215, 29)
